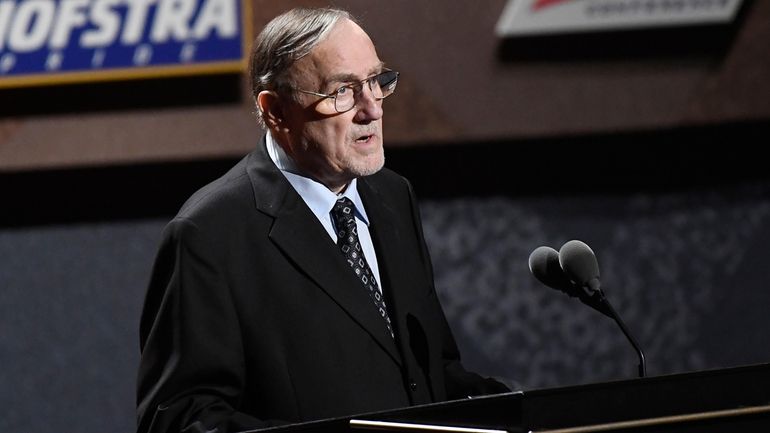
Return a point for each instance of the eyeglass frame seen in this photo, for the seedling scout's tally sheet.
(352, 86)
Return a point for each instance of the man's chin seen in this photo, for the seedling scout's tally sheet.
(368, 165)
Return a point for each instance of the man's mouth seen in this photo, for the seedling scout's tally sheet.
(364, 138)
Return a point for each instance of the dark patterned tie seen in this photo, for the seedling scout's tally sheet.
(347, 240)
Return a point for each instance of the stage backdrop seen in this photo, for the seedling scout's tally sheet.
(646, 144)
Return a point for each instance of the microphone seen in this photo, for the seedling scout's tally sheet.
(577, 274)
(544, 264)
(578, 262)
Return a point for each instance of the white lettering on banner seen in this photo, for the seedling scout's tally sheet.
(219, 15)
(71, 15)
(143, 54)
(27, 26)
(54, 61)
(171, 19)
(135, 20)
(31, 25)
(187, 53)
(107, 25)
(98, 59)
(6, 8)
(7, 62)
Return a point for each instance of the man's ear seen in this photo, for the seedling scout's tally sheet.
(271, 107)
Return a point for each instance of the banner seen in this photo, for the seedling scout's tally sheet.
(542, 17)
(60, 41)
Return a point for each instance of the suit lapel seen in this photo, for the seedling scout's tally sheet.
(390, 247)
(301, 237)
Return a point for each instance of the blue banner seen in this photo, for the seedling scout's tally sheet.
(49, 41)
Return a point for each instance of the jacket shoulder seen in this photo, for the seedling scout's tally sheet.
(226, 194)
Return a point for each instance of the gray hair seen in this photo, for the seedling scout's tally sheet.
(286, 39)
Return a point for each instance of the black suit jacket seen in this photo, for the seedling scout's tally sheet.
(253, 318)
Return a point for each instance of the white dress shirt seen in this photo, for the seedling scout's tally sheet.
(321, 200)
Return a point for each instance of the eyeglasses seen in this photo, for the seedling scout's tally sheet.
(382, 85)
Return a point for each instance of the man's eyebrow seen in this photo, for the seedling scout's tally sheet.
(350, 78)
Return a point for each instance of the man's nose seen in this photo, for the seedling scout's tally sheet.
(369, 107)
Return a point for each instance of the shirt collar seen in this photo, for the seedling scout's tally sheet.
(279, 156)
(316, 195)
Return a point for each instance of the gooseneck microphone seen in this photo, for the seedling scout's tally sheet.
(574, 270)
(544, 265)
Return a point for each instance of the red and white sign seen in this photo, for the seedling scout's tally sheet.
(541, 17)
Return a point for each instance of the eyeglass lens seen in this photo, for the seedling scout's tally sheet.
(381, 85)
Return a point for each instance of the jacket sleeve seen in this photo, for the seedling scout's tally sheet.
(459, 382)
(191, 371)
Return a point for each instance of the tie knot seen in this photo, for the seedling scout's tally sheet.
(344, 211)
(344, 208)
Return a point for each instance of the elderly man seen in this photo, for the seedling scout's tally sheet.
(298, 286)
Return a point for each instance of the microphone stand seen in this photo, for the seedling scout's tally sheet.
(601, 299)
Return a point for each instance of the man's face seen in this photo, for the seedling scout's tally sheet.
(336, 147)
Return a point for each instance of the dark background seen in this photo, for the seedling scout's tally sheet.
(647, 145)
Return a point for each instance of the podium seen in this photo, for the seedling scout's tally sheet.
(726, 400)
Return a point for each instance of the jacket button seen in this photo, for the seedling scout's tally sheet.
(413, 386)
